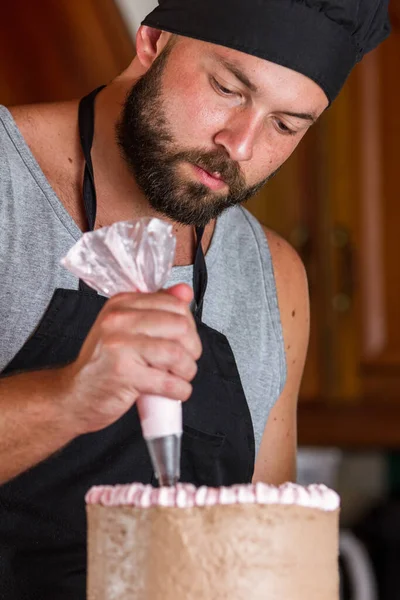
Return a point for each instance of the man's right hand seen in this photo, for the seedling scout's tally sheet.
(139, 344)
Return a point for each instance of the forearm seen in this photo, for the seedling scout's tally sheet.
(32, 423)
(276, 459)
(278, 472)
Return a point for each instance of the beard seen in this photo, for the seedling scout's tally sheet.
(153, 156)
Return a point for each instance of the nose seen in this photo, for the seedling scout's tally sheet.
(238, 137)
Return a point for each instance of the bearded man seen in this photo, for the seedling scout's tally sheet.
(217, 98)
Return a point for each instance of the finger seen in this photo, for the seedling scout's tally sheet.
(182, 291)
(126, 368)
(170, 327)
(154, 324)
(149, 380)
(167, 355)
(159, 301)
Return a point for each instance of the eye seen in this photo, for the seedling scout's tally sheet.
(283, 128)
(221, 89)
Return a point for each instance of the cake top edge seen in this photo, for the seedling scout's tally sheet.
(185, 495)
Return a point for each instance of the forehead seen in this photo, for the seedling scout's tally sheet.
(268, 79)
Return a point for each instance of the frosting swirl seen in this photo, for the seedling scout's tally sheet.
(185, 495)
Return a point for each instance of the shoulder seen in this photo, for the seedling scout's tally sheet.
(32, 126)
(10, 159)
(289, 270)
(16, 162)
(14, 122)
(19, 117)
(276, 461)
(49, 130)
(6, 126)
(280, 261)
(293, 298)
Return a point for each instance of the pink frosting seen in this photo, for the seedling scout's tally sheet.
(159, 416)
(186, 495)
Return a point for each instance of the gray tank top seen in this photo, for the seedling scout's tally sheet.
(36, 231)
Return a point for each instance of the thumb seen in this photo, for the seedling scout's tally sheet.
(182, 291)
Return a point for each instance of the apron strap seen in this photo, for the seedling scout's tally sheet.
(200, 277)
(86, 134)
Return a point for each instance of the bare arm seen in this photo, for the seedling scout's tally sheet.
(276, 460)
(32, 426)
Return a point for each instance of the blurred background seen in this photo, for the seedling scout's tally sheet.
(337, 201)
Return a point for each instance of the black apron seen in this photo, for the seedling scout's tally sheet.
(42, 511)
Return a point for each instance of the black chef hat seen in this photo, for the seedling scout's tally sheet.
(322, 39)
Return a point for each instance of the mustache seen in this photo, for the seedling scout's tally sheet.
(212, 162)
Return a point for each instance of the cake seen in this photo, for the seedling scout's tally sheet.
(245, 542)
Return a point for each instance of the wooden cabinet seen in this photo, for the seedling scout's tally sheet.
(380, 228)
(59, 50)
(337, 200)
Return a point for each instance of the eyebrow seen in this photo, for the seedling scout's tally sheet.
(305, 116)
(237, 72)
(242, 77)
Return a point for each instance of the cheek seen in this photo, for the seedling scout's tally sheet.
(269, 155)
(192, 116)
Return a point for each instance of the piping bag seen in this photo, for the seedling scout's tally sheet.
(136, 256)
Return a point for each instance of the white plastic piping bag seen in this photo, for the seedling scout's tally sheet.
(131, 256)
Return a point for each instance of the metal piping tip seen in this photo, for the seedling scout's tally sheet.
(165, 454)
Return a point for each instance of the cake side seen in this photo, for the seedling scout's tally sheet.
(241, 551)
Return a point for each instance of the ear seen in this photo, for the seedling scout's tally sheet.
(149, 44)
